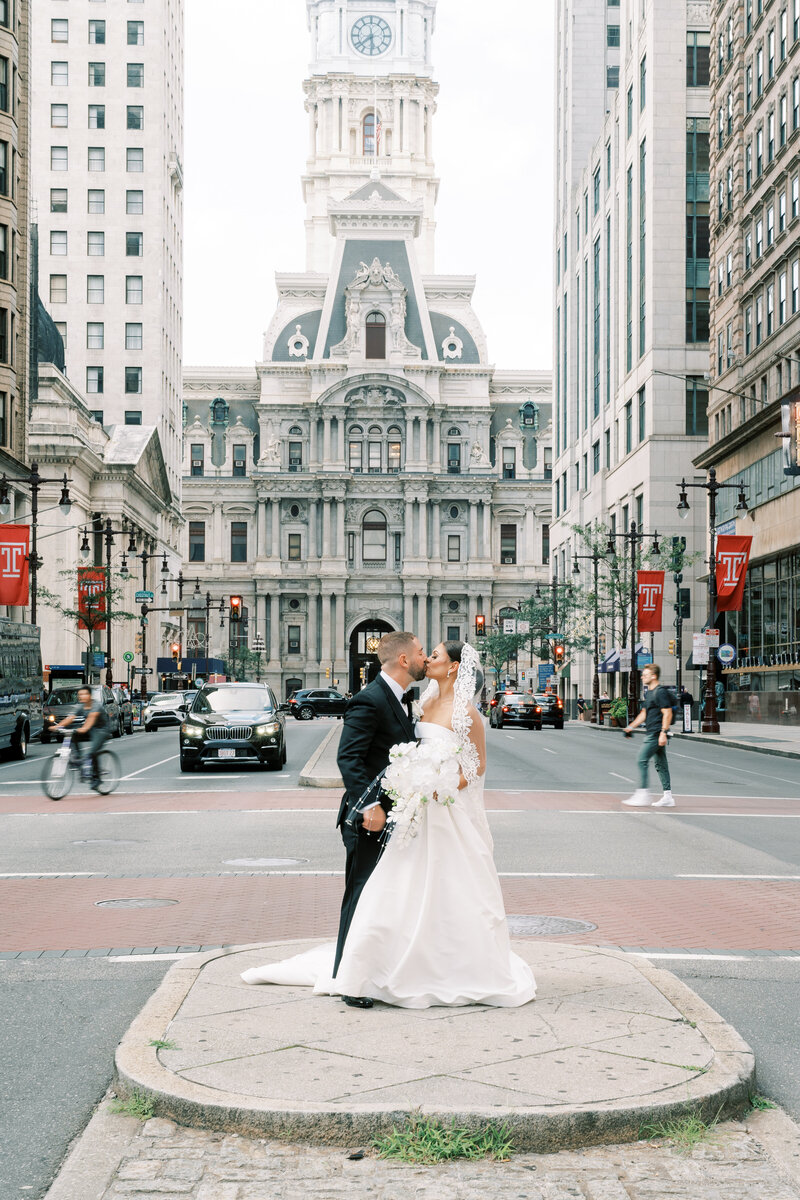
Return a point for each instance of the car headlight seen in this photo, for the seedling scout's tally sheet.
(192, 730)
(272, 727)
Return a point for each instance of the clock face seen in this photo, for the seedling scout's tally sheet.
(371, 35)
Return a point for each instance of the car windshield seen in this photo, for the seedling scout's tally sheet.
(514, 697)
(231, 699)
(172, 698)
(63, 696)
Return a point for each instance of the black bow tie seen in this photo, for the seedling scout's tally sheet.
(406, 698)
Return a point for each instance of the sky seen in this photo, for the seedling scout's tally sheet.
(244, 211)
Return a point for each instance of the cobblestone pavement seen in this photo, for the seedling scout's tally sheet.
(160, 1159)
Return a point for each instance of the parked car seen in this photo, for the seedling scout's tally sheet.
(234, 723)
(123, 698)
(514, 708)
(308, 703)
(552, 710)
(62, 701)
(166, 709)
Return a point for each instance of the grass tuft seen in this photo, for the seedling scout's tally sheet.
(426, 1140)
(685, 1132)
(163, 1044)
(138, 1105)
(760, 1103)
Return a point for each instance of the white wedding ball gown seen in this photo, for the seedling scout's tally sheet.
(430, 926)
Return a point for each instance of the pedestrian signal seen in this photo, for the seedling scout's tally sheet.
(138, 644)
(236, 608)
(480, 625)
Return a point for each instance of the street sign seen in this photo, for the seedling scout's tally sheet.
(523, 626)
(713, 637)
(699, 649)
(509, 625)
(128, 656)
(544, 675)
(624, 660)
(726, 654)
(140, 597)
(98, 659)
(143, 670)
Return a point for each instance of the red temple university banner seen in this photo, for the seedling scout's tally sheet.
(651, 596)
(733, 554)
(14, 540)
(91, 597)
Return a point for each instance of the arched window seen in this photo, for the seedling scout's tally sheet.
(373, 536)
(376, 335)
(295, 431)
(529, 416)
(394, 449)
(369, 135)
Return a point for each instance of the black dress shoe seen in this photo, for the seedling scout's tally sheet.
(358, 1001)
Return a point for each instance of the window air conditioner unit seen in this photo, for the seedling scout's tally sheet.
(508, 558)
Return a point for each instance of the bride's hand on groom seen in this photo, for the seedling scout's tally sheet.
(374, 819)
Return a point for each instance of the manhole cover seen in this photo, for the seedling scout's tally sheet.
(136, 902)
(525, 926)
(106, 842)
(264, 862)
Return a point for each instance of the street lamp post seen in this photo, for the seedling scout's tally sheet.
(712, 486)
(34, 481)
(633, 538)
(594, 558)
(258, 646)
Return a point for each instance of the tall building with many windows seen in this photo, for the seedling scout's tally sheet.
(755, 337)
(375, 471)
(631, 280)
(14, 230)
(107, 180)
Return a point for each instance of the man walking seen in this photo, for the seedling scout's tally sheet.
(657, 717)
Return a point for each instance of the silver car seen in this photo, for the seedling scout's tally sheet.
(167, 709)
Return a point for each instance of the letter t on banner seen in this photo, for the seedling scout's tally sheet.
(733, 555)
(651, 597)
(14, 542)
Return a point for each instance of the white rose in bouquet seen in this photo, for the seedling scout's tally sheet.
(418, 773)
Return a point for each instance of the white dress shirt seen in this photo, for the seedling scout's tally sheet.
(398, 692)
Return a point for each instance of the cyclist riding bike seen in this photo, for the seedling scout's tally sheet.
(94, 728)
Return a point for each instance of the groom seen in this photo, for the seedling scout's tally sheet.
(376, 719)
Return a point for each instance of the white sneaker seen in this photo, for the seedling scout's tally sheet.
(666, 801)
(639, 799)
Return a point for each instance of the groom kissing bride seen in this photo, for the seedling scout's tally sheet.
(422, 920)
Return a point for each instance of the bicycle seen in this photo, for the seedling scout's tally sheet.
(61, 771)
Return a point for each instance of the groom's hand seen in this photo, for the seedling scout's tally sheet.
(374, 819)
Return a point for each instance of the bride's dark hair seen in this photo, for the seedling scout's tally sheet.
(454, 651)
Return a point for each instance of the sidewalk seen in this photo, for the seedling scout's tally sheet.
(267, 1091)
(610, 1044)
(781, 740)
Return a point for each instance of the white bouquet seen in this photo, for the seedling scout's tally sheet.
(418, 773)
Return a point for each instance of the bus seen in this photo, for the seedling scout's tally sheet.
(21, 686)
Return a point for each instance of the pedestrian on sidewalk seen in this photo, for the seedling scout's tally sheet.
(656, 715)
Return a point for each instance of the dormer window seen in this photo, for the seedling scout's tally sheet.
(376, 335)
(529, 416)
(219, 411)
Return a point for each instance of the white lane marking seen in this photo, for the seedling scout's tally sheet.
(511, 737)
(704, 957)
(547, 750)
(625, 812)
(141, 770)
(130, 958)
(727, 767)
(737, 876)
(48, 874)
(616, 776)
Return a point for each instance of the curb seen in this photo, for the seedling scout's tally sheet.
(723, 1090)
(308, 778)
(702, 738)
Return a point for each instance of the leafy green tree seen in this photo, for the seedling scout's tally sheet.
(102, 606)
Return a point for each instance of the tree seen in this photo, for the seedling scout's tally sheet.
(499, 648)
(100, 607)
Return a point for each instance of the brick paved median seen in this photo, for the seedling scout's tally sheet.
(62, 914)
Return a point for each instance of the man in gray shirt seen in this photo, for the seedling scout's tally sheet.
(656, 714)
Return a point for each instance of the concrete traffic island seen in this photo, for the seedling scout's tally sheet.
(610, 1045)
(321, 770)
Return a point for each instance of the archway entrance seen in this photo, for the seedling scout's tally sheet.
(363, 652)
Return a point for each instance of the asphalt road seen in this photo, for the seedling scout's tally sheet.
(64, 1016)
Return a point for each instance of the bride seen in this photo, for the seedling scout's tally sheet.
(430, 925)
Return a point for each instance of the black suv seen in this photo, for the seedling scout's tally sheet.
(552, 710)
(515, 708)
(233, 723)
(316, 702)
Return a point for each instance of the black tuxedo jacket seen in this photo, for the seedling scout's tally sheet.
(374, 721)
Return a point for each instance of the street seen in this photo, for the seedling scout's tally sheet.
(99, 892)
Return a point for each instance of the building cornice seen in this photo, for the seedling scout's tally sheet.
(739, 436)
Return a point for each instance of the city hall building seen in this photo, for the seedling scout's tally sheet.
(373, 471)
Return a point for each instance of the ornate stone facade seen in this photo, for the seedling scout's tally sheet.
(374, 471)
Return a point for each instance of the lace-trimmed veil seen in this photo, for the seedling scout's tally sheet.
(463, 693)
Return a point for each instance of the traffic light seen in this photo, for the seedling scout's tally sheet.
(327, 672)
(602, 643)
(558, 654)
(236, 608)
(138, 644)
(175, 649)
(480, 625)
(671, 645)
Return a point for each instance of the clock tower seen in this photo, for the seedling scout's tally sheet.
(371, 99)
